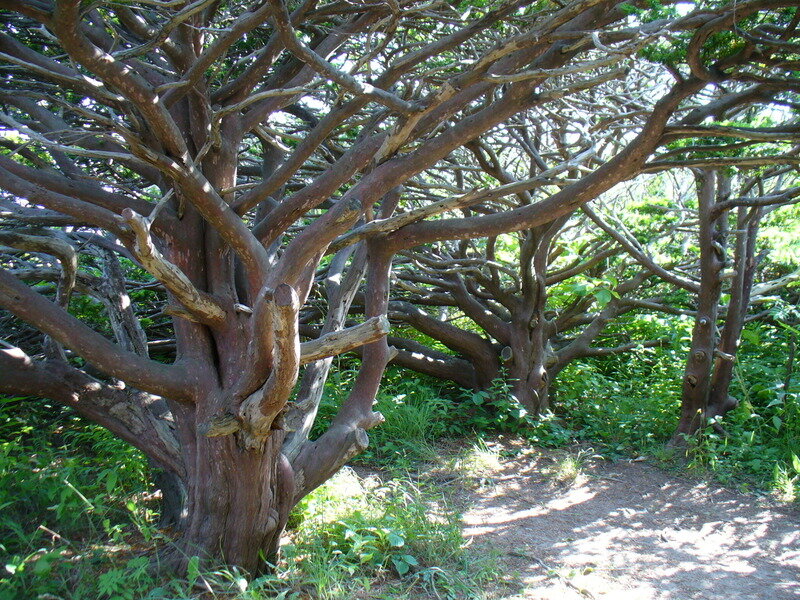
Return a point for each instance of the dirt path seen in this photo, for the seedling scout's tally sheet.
(630, 531)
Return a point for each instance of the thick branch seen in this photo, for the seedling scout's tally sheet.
(171, 381)
(123, 411)
(259, 410)
(339, 342)
(199, 304)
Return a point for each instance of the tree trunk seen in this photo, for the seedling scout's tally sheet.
(237, 504)
(720, 402)
(173, 499)
(527, 370)
(529, 335)
(697, 375)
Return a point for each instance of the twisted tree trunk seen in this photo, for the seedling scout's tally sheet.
(697, 376)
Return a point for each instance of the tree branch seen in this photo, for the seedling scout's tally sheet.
(171, 381)
(339, 342)
(198, 303)
(259, 410)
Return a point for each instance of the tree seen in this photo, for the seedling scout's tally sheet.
(223, 150)
(532, 314)
(722, 285)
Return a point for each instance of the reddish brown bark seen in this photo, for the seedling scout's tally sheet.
(697, 377)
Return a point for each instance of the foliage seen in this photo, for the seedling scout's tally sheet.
(759, 441)
(56, 467)
(629, 407)
(77, 519)
(495, 410)
(418, 412)
(64, 482)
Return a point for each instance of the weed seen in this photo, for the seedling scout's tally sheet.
(569, 467)
(479, 460)
(784, 482)
(495, 409)
(418, 411)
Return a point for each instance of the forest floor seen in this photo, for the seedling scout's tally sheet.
(566, 526)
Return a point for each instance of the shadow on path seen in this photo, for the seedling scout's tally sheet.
(630, 531)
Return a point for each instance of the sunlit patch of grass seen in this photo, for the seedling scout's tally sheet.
(480, 460)
(784, 485)
(369, 533)
(569, 468)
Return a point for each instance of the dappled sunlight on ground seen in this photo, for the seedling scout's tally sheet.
(630, 531)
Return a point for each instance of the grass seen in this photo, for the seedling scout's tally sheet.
(569, 468)
(419, 411)
(478, 460)
(381, 534)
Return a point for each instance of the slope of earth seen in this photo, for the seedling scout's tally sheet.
(566, 527)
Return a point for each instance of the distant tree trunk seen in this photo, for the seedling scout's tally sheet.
(527, 367)
(529, 376)
(697, 375)
(530, 328)
(719, 400)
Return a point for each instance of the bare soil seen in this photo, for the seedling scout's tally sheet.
(628, 530)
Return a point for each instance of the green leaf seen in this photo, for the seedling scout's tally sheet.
(42, 566)
(751, 336)
(193, 570)
(795, 463)
(777, 422)
(401, 566)
(396, 541)
(111, 482)
(603, 296)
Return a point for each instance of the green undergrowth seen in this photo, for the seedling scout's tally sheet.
(629, 405)
(78, 519)
(354, 536)
(420, 412)
(758, 444)
(69, 491)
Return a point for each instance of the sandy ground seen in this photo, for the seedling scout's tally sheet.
(629, 531)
